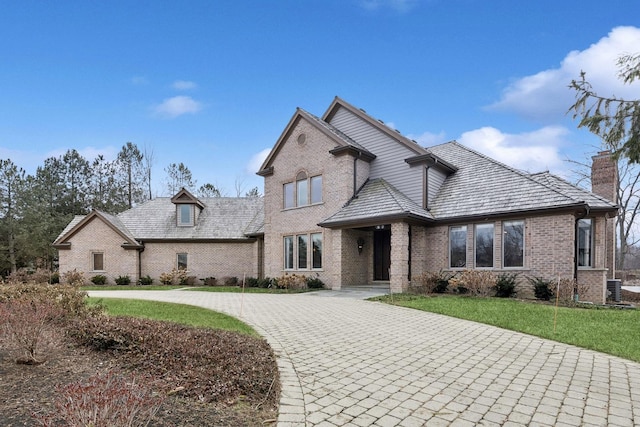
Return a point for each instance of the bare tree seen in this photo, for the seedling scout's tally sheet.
(628, 234)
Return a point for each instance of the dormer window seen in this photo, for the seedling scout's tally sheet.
(185, 215)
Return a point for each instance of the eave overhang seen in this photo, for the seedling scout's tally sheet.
(377, 220)
(431, 160)
(353, 151)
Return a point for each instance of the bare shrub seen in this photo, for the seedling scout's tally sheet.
(24, 275)
(69, 298)
(74, 278)
(566, 289)
(104, 401)
(29, 329)
(430, 282)
(177, 276)
(292, 281)
(476, 282)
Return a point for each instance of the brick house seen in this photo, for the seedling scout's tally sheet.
(354, 202)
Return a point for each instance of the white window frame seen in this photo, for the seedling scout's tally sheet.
(302, 192)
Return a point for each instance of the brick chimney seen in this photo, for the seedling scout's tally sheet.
(604, 183)
(604, 176)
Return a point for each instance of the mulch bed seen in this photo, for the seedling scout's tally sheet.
(29, 389)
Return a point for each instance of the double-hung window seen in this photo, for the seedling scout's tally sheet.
(585, 242)
(484, 245)
(458, 246)
(513, 244)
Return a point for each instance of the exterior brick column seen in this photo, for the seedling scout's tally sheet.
(604, 183)
(399, 271)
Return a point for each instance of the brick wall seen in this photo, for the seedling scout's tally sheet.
(96, 236)
(549, 252)
(203, 259)
(314, 158)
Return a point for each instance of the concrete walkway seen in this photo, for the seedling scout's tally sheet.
(345, 361)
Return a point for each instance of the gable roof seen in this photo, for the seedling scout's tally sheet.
(377, 202)
(80, 221)
(343, 142)
(483, 186)
(185, 197)
(221, 218)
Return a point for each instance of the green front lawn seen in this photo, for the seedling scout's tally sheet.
(608, 330)
(178, 313)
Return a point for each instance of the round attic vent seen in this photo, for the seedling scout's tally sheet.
(302, 138)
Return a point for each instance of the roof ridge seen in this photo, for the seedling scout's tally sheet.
(387, 186)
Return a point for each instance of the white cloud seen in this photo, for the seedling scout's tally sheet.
(428, 139)
(257, 160)
(171, 108)
(546, 96)
(530, 151)
(183, 85)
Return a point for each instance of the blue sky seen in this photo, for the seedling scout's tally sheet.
(212, 84)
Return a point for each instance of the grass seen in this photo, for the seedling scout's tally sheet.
(608, 330)
(178, 313)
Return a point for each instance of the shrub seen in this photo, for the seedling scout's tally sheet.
(104, 400)
(54, 278)
(99, 279)
(166, 278)
(476, 282)
(123, 280)
(209, 281)
(29, 328)
(230, 281)
(69, 298)
(314, 283)
(506, 285)
(430, 282)
(291, 281)
(189, 281)
(542, 288)
(145, 281)
(26, 275)
(252, 282)
(73, 278)
(267, 283)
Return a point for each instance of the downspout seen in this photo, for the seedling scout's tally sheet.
(355, 175)
(140, 262)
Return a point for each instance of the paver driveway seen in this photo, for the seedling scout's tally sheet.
(346, 361)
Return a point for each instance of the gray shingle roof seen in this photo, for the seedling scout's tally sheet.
(376, 200)
(222, 218)
(483, 186)
(593, 200)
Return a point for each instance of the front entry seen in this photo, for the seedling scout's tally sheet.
(381, 254)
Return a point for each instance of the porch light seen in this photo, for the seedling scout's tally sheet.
(360, 244)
